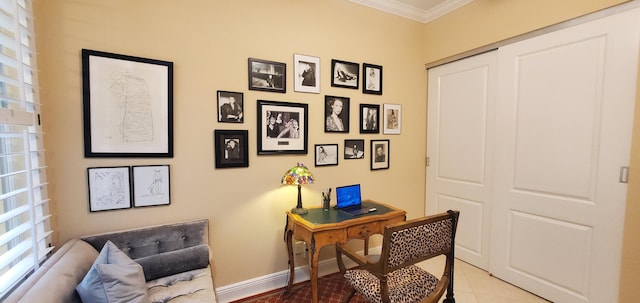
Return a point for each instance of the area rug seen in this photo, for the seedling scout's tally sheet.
(332, 288)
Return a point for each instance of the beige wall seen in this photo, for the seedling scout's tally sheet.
(209, 43)
(486, 21)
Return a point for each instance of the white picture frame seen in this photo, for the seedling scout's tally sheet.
(306, 70)
(392, 119)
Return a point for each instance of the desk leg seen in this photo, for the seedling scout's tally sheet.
(313, 269)
(289, 237)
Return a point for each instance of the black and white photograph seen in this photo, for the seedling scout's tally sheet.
(109, 188)
(369, 118)
(230, 107)
(326, 154)
(392, 119)
(371, 79)
(151, 185)
(354, 149)
(267, 75)
(307, 74)
(282, 127)
(345, 74)
(379, 154)
(231, 148)
(336, 114)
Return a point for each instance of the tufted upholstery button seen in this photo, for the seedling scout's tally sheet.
(158, 242)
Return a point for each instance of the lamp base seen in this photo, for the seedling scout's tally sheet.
(299, 211)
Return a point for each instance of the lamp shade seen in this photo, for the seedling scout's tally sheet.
(299, 174)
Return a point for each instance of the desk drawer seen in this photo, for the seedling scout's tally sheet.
(363, 231)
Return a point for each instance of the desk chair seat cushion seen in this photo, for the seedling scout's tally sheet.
(407, 284)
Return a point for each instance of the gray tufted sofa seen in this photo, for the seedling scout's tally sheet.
(174, 258)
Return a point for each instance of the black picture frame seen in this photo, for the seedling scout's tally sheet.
(282, 127)
(380, 154)
(109, 188)
(145, 127)
(228, 112)
(231, 148)
(326, 154)
(345, 74)
(267, 75)
(369, 118)
(371, 79)
(338, 123)
(353, 149)
(150, 185)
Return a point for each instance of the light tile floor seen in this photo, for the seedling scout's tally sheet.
(474, 285)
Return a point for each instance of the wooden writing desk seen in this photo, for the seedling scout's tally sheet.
(319, 228)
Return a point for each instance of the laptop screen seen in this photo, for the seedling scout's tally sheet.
(348, 196)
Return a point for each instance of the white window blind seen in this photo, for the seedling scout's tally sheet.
(24, 209)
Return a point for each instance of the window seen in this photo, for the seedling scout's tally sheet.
(24, 209)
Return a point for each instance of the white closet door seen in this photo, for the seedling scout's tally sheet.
(459, 146)
(564, 119)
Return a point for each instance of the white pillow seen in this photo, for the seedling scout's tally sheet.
(114, 277)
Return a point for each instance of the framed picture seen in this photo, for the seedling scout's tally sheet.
(392, 119)
(109, 188)
(231, 148)
(336, 114)
(267, 76)
(371, 79)
(282, 127)
(230, 107)
(128, 106)
(354, 149)
(380, 154)
(151, 185)
(369, 117)
(326, 154)
(307, 74)
(345, 74)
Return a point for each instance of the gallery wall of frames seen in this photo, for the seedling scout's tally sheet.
(140, 96)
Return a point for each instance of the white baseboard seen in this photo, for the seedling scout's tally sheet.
(252, 287)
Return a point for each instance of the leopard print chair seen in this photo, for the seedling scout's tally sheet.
(394, 277)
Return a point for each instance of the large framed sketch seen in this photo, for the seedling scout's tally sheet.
(109, 188)
(151, 185)
(127, 106)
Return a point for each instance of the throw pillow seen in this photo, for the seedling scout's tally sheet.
(113, 278)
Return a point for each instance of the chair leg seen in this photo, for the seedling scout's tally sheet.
(350, 296)
(449, 299)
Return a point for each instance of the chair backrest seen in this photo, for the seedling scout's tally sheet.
(420, 239)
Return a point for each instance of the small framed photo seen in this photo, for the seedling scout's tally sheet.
(369, 117)
(307, 74)
(127, 106)
(336, 114)
(282, 127)
(379, 154)
(151, 185)
(326, 154)
(267, 76)
(354, 149)
(231, 148)
(392, 119)
(230, 107)
(109, 188)
(371, 79)
(345, 74)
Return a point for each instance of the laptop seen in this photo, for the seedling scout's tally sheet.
(349, 200)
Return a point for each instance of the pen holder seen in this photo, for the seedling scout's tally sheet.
(325, 204)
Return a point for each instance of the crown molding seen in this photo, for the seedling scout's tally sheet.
(413, 13)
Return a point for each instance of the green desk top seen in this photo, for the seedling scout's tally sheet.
(320, 216)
